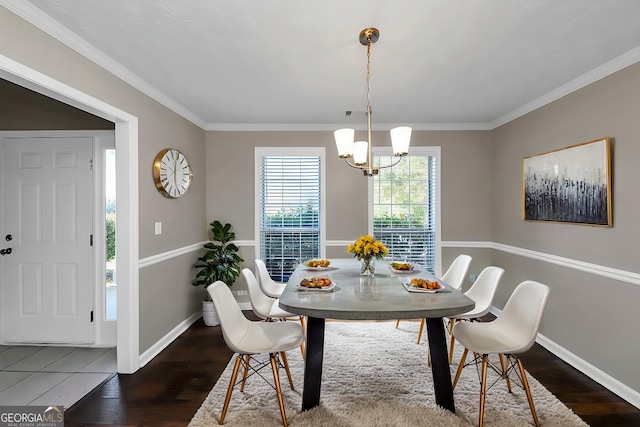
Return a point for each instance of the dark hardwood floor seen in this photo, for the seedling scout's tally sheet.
(170, 388)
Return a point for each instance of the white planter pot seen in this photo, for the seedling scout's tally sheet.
(209, 314)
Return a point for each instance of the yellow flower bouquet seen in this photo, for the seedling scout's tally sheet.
(367, 250)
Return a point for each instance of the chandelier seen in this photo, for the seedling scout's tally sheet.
(361, 151)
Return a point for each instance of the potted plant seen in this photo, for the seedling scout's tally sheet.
(219, 262)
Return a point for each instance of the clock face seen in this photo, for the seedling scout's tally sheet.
(172, 173)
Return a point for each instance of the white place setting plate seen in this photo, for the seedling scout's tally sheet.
(411, 288)
(323, 289)
(410, 270)
(309, 265)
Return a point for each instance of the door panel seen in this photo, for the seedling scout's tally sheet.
(48, 193)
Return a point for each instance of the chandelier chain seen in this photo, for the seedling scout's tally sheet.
(369, 76)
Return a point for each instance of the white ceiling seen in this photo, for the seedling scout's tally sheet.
(287, 64)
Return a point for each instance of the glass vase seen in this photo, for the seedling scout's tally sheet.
(368, 267)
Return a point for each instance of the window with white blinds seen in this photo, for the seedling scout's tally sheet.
(289, 198)
(405, 206)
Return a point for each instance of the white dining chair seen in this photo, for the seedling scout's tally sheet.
(512, 333)
(269, 286)
(454, 277)
(248, 338)
(265, 307)
(482, 292)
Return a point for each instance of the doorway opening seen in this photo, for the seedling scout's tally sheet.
(126, 141)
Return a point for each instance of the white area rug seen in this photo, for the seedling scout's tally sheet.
(376, 375)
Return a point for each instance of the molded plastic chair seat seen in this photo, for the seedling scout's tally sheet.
(513, 332)
(269, 286)
(247, 338)
(489, 341)
(264, 337)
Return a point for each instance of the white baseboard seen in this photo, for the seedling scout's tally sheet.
(162, 343)
(597, 375)
(604, 379)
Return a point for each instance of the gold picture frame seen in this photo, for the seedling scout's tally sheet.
(569, 185)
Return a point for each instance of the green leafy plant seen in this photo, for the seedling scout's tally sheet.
(220, 260)
(111, 238)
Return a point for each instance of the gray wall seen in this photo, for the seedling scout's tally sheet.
(590, 315)
(466, 181)
(184, 222)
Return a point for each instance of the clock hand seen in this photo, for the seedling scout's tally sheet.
(175, 167)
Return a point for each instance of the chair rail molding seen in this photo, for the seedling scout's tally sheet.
(587, 267)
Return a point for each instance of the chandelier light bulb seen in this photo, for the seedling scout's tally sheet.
(360, 149)
(344, 142)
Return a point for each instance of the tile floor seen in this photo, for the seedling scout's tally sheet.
(60, 376)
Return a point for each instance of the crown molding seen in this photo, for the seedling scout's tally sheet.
(626, 59)
(330, 127)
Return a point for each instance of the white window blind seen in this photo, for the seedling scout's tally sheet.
(289, 215)
(404, 208)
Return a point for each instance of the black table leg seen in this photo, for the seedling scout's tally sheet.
(313, 363)
(440, 364)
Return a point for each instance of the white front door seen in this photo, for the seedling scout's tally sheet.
(47, 211)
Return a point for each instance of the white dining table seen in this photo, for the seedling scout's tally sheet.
(382, 297)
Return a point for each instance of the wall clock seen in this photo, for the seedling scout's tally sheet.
(172, 173)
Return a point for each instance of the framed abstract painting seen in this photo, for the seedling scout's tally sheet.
(571, 184)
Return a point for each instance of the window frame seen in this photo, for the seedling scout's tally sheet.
(415, 151)
(259, 153)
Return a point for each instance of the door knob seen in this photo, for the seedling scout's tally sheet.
(5, 251)
(8, 237)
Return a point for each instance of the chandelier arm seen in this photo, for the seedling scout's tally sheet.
(353, 165)
(392, 164)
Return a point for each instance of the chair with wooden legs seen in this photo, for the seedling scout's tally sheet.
(265, 307)
(482, 293)
(512, 333)
(454, 277)
(248, 338)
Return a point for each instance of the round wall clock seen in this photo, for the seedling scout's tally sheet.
(172, 173)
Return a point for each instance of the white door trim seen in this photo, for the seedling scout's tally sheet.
(126, 136)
